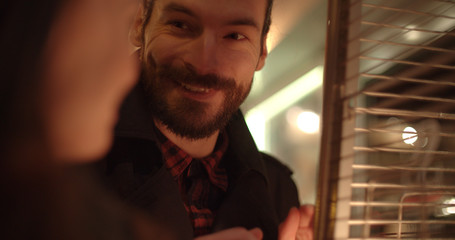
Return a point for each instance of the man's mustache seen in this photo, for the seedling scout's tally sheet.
(188, 75)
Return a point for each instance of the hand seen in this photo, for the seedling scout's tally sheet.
(298, 224)
(237, 233)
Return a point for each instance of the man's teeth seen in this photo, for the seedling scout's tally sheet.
(195, 89)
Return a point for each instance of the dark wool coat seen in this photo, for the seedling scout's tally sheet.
(260, 191)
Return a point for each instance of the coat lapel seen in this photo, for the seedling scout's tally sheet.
(160, 197)
(248, 204)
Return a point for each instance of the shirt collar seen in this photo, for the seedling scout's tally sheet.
(177, 161)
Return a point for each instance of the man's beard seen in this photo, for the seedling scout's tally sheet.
(187, 117)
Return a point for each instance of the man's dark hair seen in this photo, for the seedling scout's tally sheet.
(148, 6)
(268, 18)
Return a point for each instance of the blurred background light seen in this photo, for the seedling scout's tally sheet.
(409, 135)
(290, 94)
(449, 210)
(308, 122)
(256, 124)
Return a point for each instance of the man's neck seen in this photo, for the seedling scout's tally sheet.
(195, 148)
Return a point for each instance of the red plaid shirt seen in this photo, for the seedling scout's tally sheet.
(201, 181)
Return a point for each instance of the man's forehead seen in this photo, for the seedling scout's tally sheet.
(248, 11)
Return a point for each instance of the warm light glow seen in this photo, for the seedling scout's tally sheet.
(256, 124)
(308, 122)
(289, 95)
(409, 135)
(412, 35)
(449, 210)
(260, 115)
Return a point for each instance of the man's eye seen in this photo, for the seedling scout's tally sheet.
(178, 24)
(236, 36)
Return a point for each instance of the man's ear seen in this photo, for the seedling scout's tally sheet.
(135, 34)
(263, 55)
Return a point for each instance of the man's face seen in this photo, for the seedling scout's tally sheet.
(199, 59)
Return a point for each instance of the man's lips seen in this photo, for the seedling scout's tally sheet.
(195, 89)
(197, 93)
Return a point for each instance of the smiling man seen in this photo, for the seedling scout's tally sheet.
(182, 151)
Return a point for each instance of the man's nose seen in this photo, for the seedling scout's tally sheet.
(203, 53)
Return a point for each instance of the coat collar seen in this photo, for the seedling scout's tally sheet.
(136, 122)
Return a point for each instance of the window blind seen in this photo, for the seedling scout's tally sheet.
(387, 167)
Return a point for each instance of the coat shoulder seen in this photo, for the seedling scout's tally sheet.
(281, 185)
(274, 165)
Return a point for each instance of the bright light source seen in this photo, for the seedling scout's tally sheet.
(412, 35)
(449, 210)
(308, 122)
(256, 124)
(409, 135)
(290, 94)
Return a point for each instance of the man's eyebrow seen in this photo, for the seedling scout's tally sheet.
(175, 7)
(244, 22)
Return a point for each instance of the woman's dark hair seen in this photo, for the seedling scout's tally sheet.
(40, 198)
(24, 178)
(24, 27)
